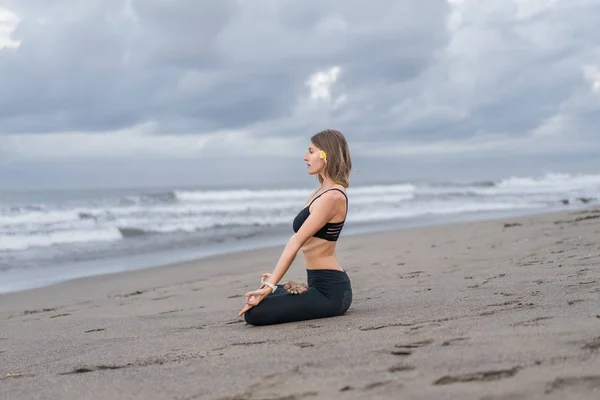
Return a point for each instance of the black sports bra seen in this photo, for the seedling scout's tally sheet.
(330, 231)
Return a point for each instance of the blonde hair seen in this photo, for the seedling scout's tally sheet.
(339, 163)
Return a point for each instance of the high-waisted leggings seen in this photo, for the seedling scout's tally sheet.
(329, 294)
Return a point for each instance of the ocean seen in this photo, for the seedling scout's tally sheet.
(53, 236)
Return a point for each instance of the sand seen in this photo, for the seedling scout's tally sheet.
(504, 309)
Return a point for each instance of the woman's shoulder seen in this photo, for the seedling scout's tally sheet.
(332, 194)
(339, 191)
(335, 195)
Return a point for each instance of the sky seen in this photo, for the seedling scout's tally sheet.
(123, 93)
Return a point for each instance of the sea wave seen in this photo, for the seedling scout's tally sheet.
(24, 242)
(187, 211)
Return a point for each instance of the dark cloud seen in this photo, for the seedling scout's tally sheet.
(498, 73)
(199, 66)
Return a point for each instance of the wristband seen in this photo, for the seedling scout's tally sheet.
(269, 284)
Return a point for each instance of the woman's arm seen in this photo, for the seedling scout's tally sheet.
(323, 211)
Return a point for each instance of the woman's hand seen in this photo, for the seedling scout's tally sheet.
(255, 297)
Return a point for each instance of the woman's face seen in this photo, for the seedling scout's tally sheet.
(313, 160)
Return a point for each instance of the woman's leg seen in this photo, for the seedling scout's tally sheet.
(286, 307)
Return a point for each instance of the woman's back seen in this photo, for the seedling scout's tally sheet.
(319, 250)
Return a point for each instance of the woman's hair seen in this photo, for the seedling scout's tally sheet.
(339, 163)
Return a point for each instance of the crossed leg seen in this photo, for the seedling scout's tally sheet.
(282, 306)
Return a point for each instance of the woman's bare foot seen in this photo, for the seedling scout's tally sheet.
(295, 287)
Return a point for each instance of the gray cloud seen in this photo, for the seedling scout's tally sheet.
(449, 79)
(199, 66)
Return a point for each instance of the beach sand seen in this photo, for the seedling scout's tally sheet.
(503, 309)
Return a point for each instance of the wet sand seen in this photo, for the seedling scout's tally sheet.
(504, 309)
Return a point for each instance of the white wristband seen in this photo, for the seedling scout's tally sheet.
(269, 284)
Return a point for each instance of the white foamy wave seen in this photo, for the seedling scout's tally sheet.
(220, 207)
(186, 211)
(38, 217)
(290, 194)
(242, 194)
(433, 209)
(194, 225)
(554, 181)
(377, 190)
(389, 198)
(448, 190)
(23, 242)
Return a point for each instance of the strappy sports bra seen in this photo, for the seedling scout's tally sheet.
(331, 230)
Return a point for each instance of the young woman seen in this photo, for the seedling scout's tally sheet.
(317, 228)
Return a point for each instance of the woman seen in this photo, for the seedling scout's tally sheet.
(317, 228)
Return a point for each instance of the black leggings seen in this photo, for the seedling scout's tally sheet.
(329, 294)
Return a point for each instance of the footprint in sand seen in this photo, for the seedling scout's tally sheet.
(189, 328)
(590, 382)
(414, 345)
(592, 344)
(165, 359)
(374, 385)
(518, 306)
(483, 376)
(505, 294)
(511, 225)
(29, 312)
(314, 326)
(401, 368)
(531, 322)
(136, 293)
(95, 330)
(405, 349)
(60, 315)
(170, 311)
(410, 275)
(377, 327)
(163, 297)
(583, 283)
(244, 344)
(401, 352)
(453, 340)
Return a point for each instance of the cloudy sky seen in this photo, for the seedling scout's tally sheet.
(161, 92)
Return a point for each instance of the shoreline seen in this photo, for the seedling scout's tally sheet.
(496, 310)
(138, 262)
